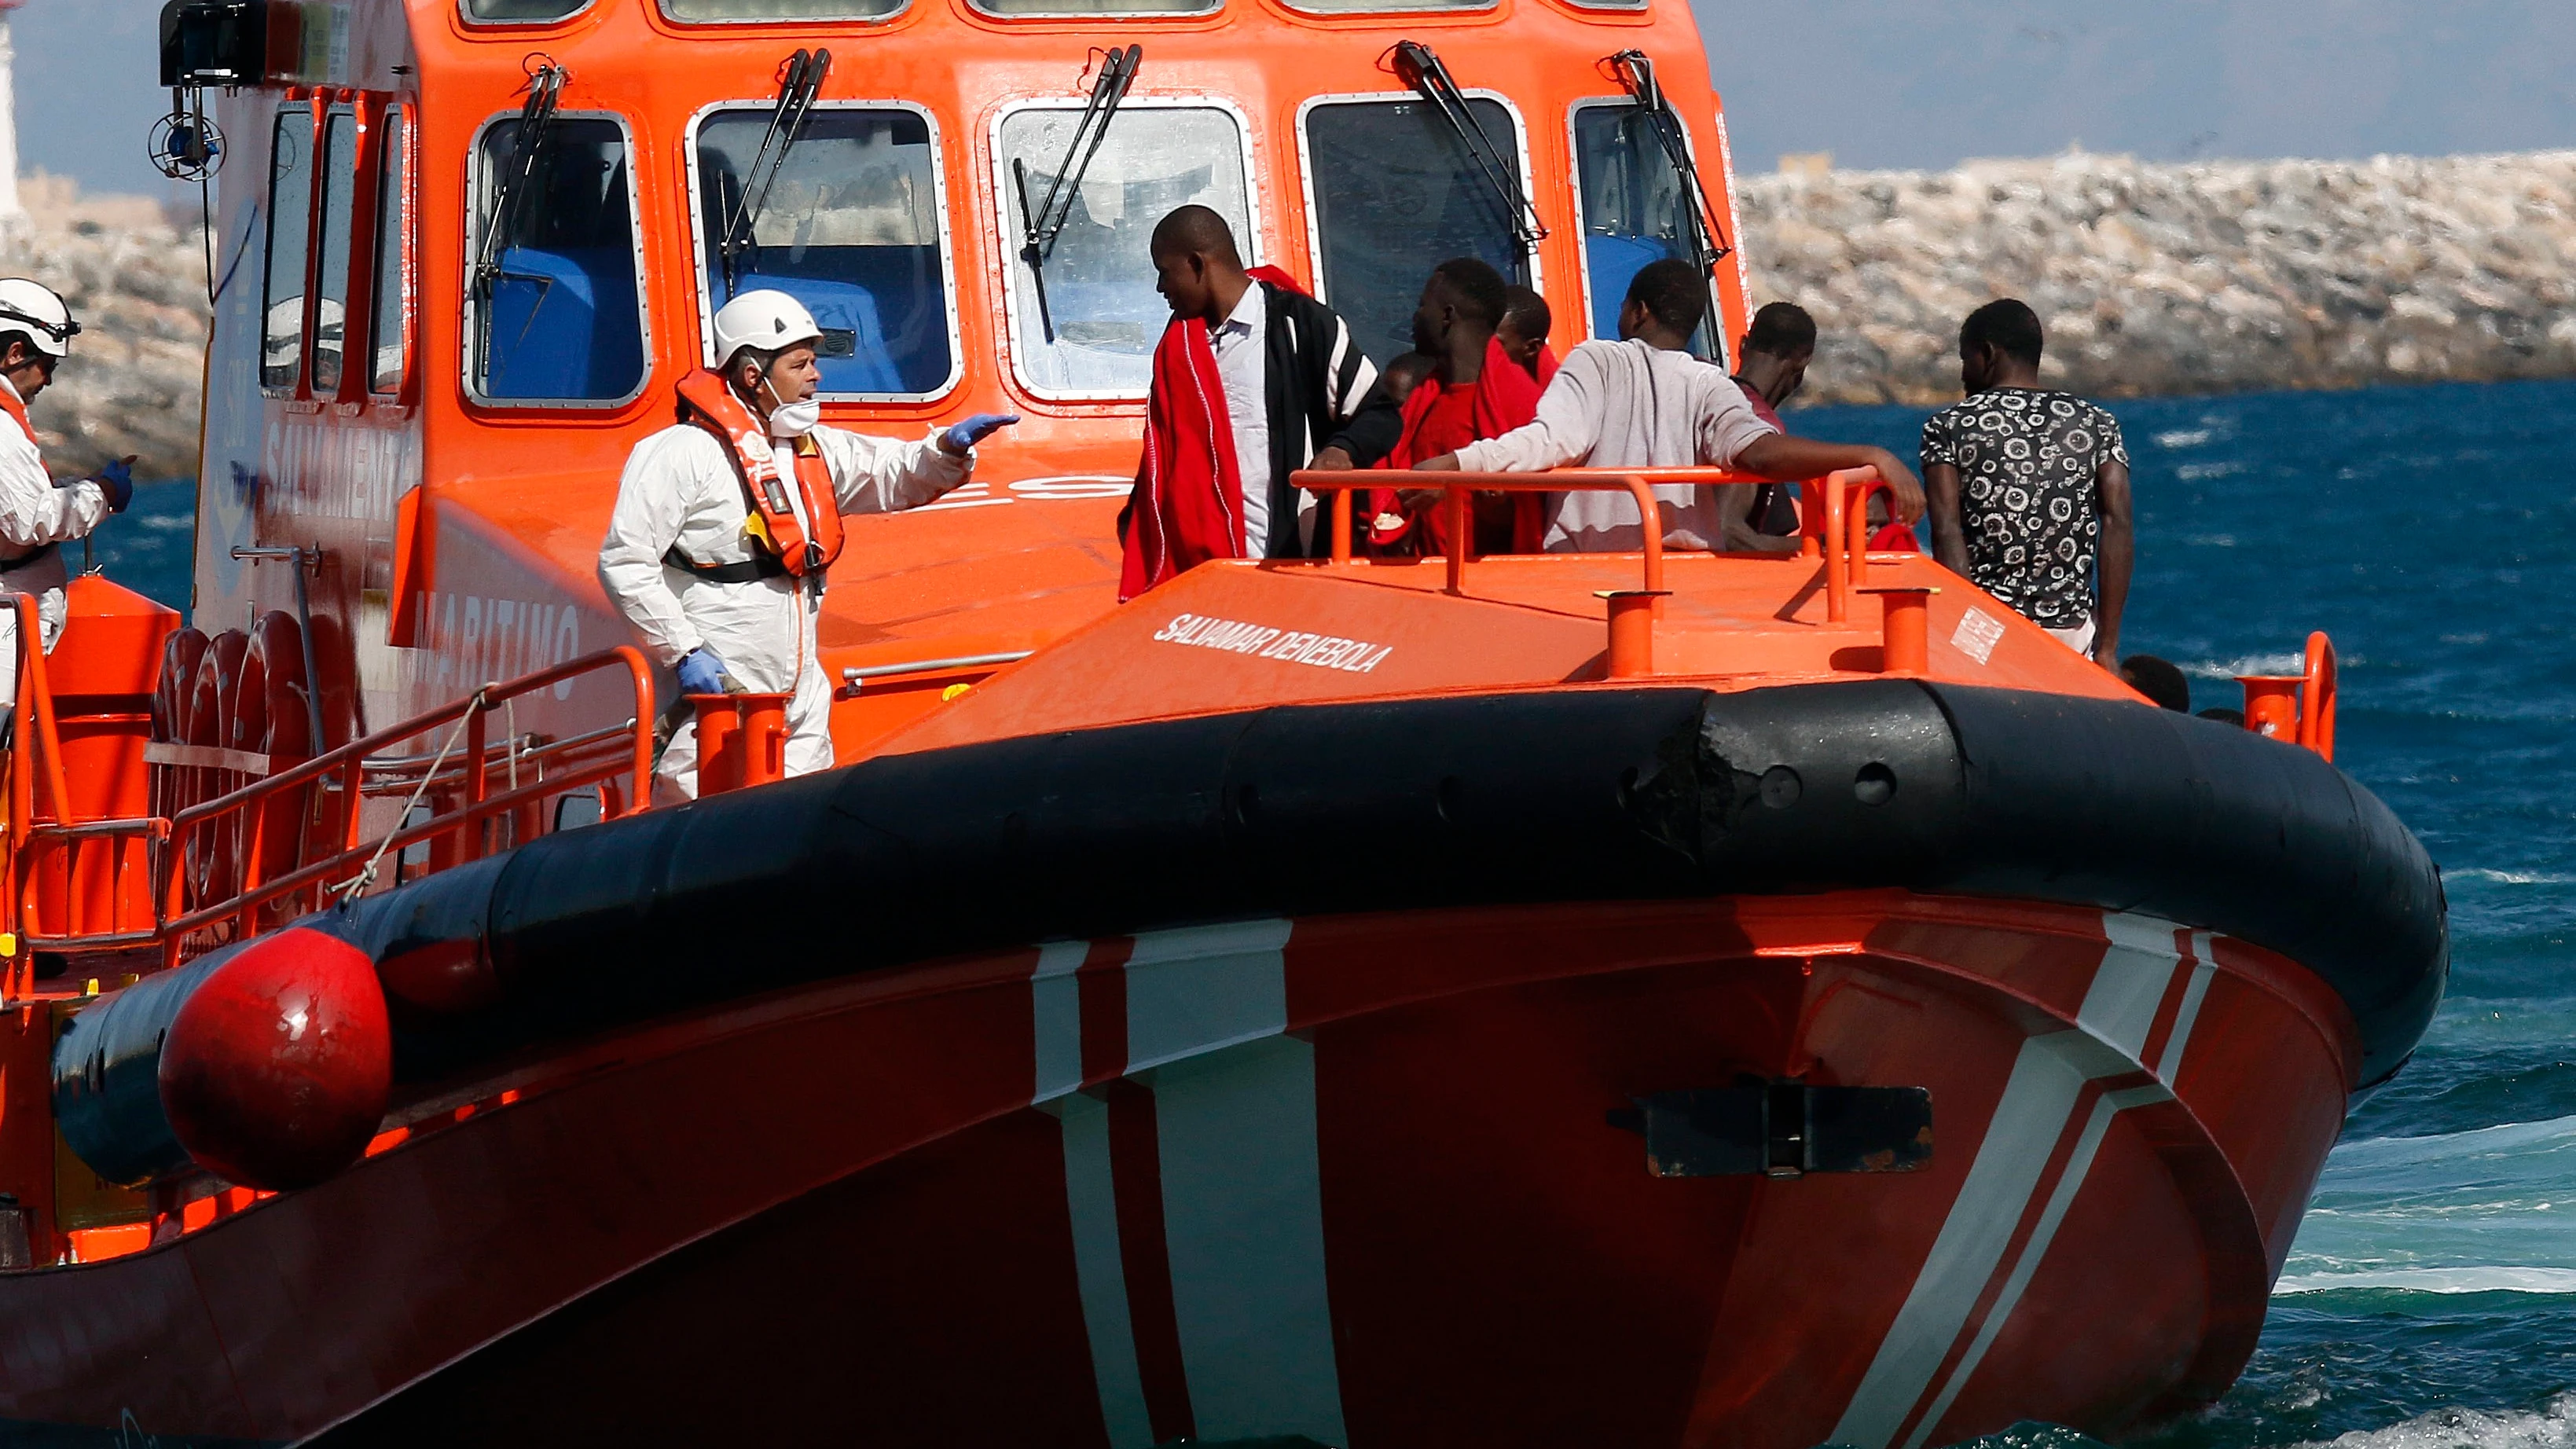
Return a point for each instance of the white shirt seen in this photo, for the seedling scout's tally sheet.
(1629, 405)
(1241, 344)
(33, 512)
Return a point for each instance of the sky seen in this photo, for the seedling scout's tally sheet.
(1878, 83)
(1928, 83)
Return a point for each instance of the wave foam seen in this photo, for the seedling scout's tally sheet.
(2436, 1280)
(2249, 664)
(2502, 1136)
(2552, 1426)
(2505, 877)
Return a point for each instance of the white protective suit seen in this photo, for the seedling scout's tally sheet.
(33, 514)
(680, 487)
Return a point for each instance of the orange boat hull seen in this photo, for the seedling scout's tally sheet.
(1350, 1178)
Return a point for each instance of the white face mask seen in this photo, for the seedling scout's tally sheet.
(791, 419)
(795, 420)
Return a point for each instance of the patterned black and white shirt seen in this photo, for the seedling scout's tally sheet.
(2027, 500)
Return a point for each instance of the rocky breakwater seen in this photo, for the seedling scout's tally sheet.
(2180, 278)
(138, 285)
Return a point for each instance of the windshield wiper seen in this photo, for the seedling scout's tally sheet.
(796, 93)
(1047, 221)
(514, 195)
(1419, 67)
(1707, 239)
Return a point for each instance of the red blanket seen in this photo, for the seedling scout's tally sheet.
(1506, 397)
(1187, 507)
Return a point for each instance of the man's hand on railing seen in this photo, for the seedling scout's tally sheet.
(1445, 463)
(701, 672)
(1786, 459)
(1901, 482)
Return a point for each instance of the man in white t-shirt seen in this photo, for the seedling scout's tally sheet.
(1646, 402)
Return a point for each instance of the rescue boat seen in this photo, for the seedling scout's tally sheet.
(1615, 999)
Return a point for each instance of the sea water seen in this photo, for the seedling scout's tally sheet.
(2430, 1301)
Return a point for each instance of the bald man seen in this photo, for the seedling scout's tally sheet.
(1295, 392)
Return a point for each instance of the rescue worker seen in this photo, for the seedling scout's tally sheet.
(727, 522)
(37, 514)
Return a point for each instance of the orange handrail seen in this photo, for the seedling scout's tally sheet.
(1846, 564)
(36, 708)
(561, 766)
(32, 719)
(349, 762)
(1454, 488)
(2317, 696)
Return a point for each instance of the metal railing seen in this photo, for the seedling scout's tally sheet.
(237, 829)
(2297, 708)
(1838, 530)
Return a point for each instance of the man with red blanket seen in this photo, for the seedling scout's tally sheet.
(1476, 391)
(1253, 381)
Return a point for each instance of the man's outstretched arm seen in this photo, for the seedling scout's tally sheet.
(1788, 460)
(1949, 540)
(2119, 554)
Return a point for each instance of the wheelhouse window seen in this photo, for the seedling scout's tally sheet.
(290, 217)
(1377, 7)
(522, 12)
(1084, 312)
(1395, 193)
(555, 310)
(712, 12)
(339, 221)
(1096, 7)
(388, 327)
(1634, 207)
(849, 226)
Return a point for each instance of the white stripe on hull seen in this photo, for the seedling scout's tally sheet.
(1204, 987)
(2049, 1077)
(1243, 1221)
(1056, 1002)
(1242, 1195)
(1091, 1195)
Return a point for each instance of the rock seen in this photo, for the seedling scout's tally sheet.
(137, 284)
(2219, 276)
(2210, 277)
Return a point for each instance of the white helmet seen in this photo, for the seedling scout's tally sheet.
(33, 309)
(770, 321)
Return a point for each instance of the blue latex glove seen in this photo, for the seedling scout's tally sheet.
(962, 438)
(116, 480)
(701, 672)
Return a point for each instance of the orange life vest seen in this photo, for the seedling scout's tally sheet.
(706, 401)
(10, 404)
(15, 408)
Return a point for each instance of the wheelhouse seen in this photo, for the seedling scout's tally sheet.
(468, 246)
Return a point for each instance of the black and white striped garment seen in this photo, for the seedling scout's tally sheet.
(1322, 391)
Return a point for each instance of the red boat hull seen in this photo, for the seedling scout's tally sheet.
(1349, 1178)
